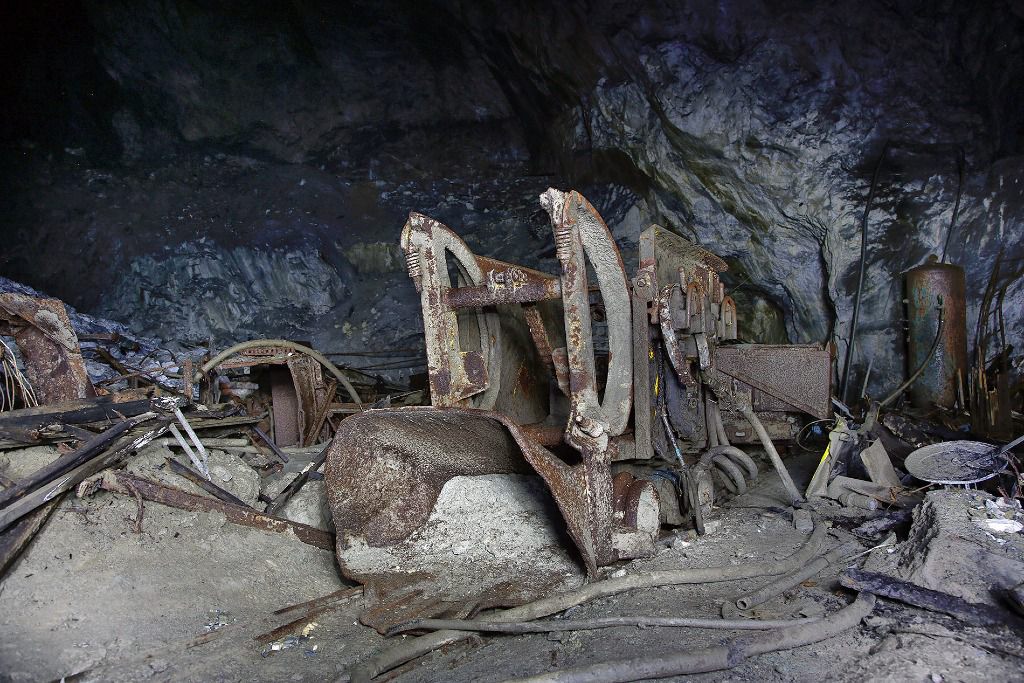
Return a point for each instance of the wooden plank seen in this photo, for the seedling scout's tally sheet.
(15, 423)
(97, 444)
(16, 538)
(886, 586)
(23, 506)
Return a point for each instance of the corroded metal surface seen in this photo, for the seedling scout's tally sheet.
(286, 407)
(48, 345)
(938, 384)
(456, 373)
(505, 283)
(581, 236)
(385, 472)
(310, 390)
(385, 468)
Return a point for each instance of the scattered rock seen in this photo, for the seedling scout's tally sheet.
(802, 520)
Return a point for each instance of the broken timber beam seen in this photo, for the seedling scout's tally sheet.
(20, 534)
(15, 424)
(123, 482)
(47, 492)
(71, 460)
(972, 613)
(200, 481)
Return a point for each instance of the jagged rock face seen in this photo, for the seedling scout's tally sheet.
(267, 157)
(754, 126)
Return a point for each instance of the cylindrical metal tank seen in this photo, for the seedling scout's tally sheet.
(938, 384)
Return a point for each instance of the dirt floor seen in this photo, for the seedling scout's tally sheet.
(188, 597)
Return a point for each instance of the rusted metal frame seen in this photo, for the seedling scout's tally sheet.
(539, 334)
(285, 407)
(642, 297)
(43, 333)
(200, 481)
(676, 354)
(123, 482)
(19, 508)
(321, 415)
(798, 375)
(310, 390)
(456, 377)
(581, 234)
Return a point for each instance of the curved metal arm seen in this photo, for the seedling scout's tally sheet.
(315, 355)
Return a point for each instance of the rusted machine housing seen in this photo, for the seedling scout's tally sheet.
(517, 346)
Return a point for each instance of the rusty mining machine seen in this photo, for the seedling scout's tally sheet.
(626, 441)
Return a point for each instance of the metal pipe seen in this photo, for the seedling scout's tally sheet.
(410, 649)
(784, 583)
(860, 276)
(717, 658)
(558, 625)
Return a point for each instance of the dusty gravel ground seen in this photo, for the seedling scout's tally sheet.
(94, 600)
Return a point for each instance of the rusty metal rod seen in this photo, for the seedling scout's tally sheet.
(342, 594)
(773, 455)
(482, 295)
(556, 625)
(201, 481)
(270, 443)
(176, 498)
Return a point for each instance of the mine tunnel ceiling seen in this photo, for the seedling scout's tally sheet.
(238, 171)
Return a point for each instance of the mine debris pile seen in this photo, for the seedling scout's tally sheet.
(264, 405)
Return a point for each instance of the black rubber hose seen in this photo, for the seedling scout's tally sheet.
(731, 471)
(844, 384)
(737, 456)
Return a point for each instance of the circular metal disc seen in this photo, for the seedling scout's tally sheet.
(955, 462)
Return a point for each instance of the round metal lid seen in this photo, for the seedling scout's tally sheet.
(955, 462)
